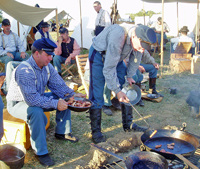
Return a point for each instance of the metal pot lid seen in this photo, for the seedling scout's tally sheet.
(133, 93)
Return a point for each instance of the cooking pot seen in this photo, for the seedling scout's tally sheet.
(13, 155)
(145, 160)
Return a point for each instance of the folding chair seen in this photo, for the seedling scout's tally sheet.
(66, 70)
(2, 67)
(81, 62)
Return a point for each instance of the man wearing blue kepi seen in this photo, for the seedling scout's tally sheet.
(27, 100)
(118, 42)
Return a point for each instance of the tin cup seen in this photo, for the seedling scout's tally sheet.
(173, 90)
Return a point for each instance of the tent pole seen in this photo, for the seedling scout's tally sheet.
(161, 60)
(18, 28)
(81, 24)
(57, 23)
(144, 12)
(197, 26)
(177, 21)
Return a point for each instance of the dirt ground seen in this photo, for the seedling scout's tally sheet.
(172, 110)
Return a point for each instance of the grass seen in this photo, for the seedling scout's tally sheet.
(172, 110)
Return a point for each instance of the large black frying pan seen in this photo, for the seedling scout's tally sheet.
(185, 143)
(144, 159)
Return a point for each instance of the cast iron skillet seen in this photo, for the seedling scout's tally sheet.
(144, 159)
(79, 109)
(185, 143)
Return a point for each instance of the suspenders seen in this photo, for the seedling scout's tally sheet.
(4, 41)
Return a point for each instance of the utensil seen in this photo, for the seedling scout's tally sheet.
(79, 109)
(133, 93)
(153, 96)
(185, 144)
(147, 160)
(13, 155)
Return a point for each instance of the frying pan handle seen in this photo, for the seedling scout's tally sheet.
(184, 124)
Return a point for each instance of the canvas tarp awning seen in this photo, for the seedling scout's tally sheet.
(25, 14)
(160, 1)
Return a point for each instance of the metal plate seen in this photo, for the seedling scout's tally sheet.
(153, 96)
(80, 109)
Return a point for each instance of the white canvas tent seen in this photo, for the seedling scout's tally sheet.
(172, 16)
(26, 15)
(88, 15)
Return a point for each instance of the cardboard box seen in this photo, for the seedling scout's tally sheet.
(16, 130)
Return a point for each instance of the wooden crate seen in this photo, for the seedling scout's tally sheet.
(16, 130)
(183, 47)
(180, 64)
(181, 55)
(195, 64)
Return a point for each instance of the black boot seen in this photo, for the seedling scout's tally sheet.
(127, 118)
(152, 87)
(95, 117)
(140, 103)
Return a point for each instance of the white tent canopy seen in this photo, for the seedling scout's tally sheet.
(160, 1)
(24, 14)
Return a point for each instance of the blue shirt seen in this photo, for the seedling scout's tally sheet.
(11, 43)
(32, 91)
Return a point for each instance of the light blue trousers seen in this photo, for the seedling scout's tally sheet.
(1, 118)
(58, 60)
(37, 120)
(5, 59)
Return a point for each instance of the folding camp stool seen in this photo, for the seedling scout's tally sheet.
(66, 70)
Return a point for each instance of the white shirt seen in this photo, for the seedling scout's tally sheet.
(182, 39)
(159, 27)
(103, 18)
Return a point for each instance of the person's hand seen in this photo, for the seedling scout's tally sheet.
(68, 60)
(141, 69)
(80, 95)
(62, 105)
(10, 55)
(156, 65)
(60, 39)
(23, 55)
(130, 81)
(122, 97)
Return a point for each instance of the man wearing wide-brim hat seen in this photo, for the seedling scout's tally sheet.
(106, 55)
(43, 32)
(183, 37)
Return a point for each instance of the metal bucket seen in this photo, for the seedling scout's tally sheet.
(13, 155)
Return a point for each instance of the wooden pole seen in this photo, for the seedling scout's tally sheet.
(161, 60)
(177, 21)
(57, 26)
(81, 24)
(144, 12)
(18, 28)
(197, 26)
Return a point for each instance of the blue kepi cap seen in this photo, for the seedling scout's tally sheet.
(46, 45)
